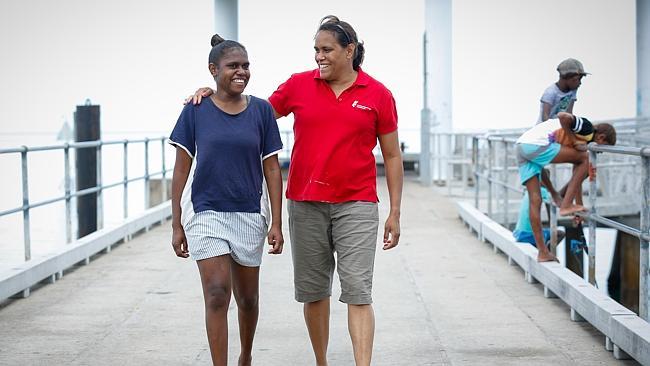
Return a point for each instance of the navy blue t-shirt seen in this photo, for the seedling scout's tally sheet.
(227, 152)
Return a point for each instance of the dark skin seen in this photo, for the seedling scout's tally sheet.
(221, 275)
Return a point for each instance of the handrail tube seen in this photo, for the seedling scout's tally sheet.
(75, 145)
(73, 195)
(11, 211)
(499, 183)
(501, 139)
(616, 225)
(625, 150)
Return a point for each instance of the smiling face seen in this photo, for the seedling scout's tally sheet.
(333, 60)
(232, 73)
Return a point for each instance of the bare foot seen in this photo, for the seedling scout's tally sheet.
(547, 256)
(557, 199)
(570, 210)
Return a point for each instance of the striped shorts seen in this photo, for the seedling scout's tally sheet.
(240, 234)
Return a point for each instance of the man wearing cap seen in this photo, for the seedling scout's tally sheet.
(561, 95)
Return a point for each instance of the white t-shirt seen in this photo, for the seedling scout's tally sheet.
(558, 100)
(541, 134)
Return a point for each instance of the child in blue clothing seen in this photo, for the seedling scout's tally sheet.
(523, 232)
(224, 150)
(537, 148)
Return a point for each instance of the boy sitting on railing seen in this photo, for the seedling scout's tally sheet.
(602, 134)
(537, 148)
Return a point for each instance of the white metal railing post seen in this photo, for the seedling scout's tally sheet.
(147, 199)
(592, 223)
(68, 200)
(644, 257)
(439, 157)
(163, 195)
(505, 184)
(450, 167)
(464, 164)
(26, 223)
(125, 186)
(449, 155)
(99, 185)
(475, 158)
(489, 176)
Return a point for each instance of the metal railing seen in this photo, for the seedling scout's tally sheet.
(449, 150)
(494, 163)
(70, 193)
(643, 233)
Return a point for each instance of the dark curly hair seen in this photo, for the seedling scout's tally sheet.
(344, 34)
(220, 46)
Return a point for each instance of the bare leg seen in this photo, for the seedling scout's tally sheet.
(215, 279)
(246, 290)
(580, 162)
(317, 318)
(578, 198)
(546, 180)
(535, 206)
(361, 325)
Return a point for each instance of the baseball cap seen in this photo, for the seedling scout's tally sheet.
(571, 66)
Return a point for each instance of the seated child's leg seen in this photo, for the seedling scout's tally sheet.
(580, 161)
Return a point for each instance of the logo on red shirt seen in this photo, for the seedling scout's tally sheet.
(356, 104)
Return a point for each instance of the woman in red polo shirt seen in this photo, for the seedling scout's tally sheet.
(339, 114)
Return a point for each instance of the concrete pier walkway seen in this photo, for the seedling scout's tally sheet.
(441, 298)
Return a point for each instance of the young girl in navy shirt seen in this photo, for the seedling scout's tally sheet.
(220, 215)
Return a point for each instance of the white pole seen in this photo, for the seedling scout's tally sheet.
(643, 57)
(438, 30)
(226, 18)
(425, 123)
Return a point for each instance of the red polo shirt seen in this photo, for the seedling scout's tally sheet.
(332, 159)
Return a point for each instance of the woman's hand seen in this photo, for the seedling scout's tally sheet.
(179, 243)
(199, 95)
(276, 240)
(391, 232)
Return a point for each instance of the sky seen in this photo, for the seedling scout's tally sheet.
(139, 59)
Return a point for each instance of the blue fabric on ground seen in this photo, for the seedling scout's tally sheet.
(528, 237)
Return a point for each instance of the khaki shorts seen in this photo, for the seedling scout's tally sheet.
(318, 230)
